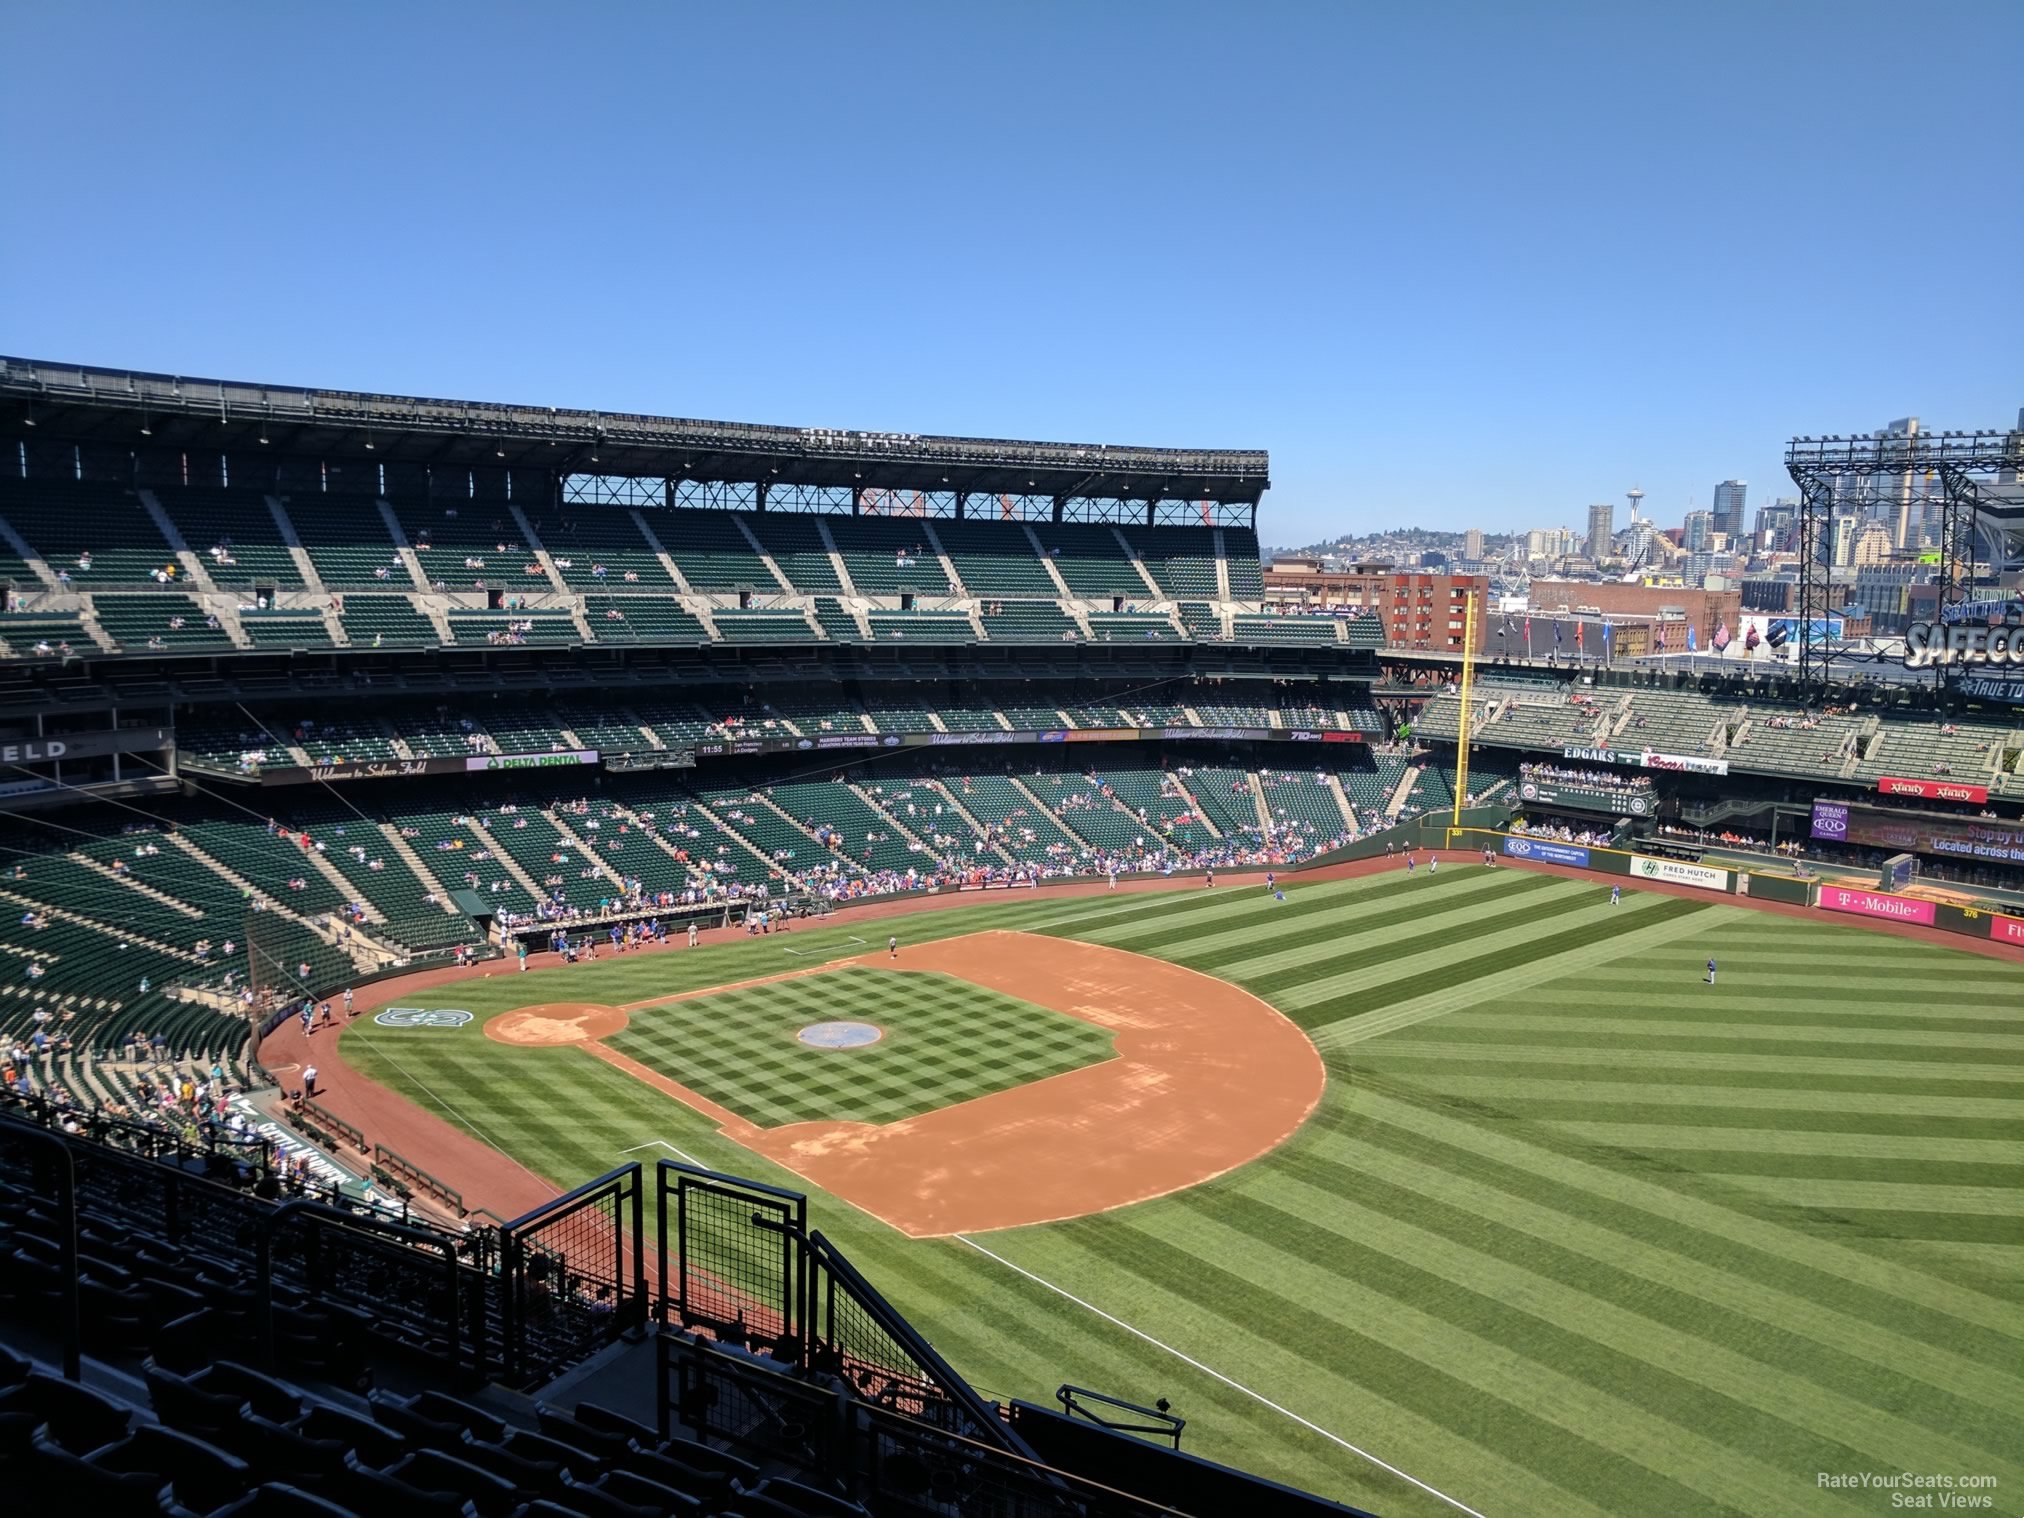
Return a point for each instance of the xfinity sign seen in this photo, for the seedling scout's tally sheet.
(1929, 643)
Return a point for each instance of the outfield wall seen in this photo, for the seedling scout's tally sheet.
(1828, 897)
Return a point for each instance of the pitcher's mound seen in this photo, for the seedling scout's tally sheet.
(559, 1022)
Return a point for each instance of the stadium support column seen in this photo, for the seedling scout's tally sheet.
(1816, 570)
(1462, 729)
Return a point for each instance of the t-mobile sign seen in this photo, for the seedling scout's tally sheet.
(1830, 820)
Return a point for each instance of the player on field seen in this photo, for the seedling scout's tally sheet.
(1271, 881)
(1615, 894)
(1711, 972)
(892, 948)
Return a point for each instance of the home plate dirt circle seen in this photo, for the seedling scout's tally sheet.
(556, 1022)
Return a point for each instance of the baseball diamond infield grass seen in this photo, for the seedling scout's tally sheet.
(1571, 1232)
(944, 1041)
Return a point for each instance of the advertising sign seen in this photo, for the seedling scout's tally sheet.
(1586, 798)
(1932, 790)
(1928, 643)
(1830, 820)
(1648, 759)
(1875, 904)
(1965, 838)
(1678, 872)
(2006, 929)
(1546, 851)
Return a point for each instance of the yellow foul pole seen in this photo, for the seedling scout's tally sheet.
(1462, 733)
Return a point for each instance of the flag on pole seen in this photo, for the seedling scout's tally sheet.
(1528, 634)
(1722, 637)
(1577, 636)
(1556, 634)
(1605, 640)
(1750, 639)
(1691, 646)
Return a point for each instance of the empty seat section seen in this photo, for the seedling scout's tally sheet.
(347, 540)
(142, 620)
(797, 547)
(1090, 559)
(387, 621)
(285, 629)
(88, 534)
(921, 627)
(234, 534)
(888, 556)
(1246, 571)
(1182, 560)
(1027, 622)
(1284, 630)
(838, 625)
(995, 558)
(1202, 621)
(30, 635)
(642, 619)
(710, 550)
(1132, 626)
(762, 626)
(599, 548)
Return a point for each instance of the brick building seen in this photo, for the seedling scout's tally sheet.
(1420, 609)
(1704, 610)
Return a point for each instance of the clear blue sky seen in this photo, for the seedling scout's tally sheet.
(1456, 264)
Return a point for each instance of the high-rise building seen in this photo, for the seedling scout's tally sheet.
(1699, 533)
(1601, 528)
(1778, 525)
(1730, 496)
(1472, 545)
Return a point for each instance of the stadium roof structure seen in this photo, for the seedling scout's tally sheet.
(132, 411)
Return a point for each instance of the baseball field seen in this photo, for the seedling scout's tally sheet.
(1445, 1192)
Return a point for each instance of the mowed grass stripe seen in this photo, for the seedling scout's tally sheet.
(1688, 1281)
(1673, 1061)
(1535, 1094)
(1305, 919)
(1707, 1139)
(1366, 1018)
(1421, 1416)
(1545, 1029)
(1465, 960)
(1779, 1417)
(1888, 1196)
(1314, 1305)
(1325, 963)
(1828, 1258)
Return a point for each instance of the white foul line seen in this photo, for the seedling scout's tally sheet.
(1207, 1370)
(680, 1154)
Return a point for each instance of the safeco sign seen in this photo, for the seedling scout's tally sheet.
(1928, 643)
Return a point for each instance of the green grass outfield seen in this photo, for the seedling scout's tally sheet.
(1571, 1232)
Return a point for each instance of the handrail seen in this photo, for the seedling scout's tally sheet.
(71, 1320)
(267, 1227)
